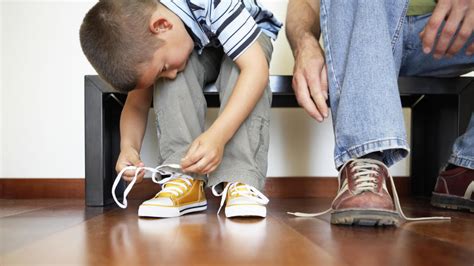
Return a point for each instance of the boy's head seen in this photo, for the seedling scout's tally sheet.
(120, 38)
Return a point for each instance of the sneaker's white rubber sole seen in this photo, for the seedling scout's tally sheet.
(245, 210)
(165, 211)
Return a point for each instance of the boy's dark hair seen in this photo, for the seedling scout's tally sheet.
(116, 40)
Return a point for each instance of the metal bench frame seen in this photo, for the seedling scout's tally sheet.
(441, 109)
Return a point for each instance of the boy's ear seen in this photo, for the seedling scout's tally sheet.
(160, 25)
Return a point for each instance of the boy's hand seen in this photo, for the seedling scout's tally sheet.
(204, 154)
(126, 158)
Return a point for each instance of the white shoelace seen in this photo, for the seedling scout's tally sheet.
(365, 182)
(244, 190)
(155, 171)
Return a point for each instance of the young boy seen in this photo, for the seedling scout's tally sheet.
(168, 51)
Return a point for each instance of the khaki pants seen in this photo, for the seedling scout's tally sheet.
(180, 109)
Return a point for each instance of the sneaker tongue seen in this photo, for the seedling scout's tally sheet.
(240, 187)
(169, 185)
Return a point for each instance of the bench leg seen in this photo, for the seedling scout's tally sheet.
(102, 144)
(436, 123)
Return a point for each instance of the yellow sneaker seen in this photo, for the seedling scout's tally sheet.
(180, 194)
(242, 200)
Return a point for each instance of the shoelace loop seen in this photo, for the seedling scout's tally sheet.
(363, 165)
(155, 171)
(244, 190)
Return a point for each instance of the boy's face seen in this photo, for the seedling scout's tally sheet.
(167, 61)
(171, 57)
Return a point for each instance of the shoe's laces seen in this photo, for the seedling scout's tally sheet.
(365, 181)
(178, 187)
(364, 178)
(155, 171)
(239, 189)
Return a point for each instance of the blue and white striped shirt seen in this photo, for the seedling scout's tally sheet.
(232, 24)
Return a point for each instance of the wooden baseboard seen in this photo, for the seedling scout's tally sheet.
(284, 187)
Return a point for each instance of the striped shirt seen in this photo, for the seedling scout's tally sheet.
(232, 24)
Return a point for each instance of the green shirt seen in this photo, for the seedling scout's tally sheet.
(420, 7)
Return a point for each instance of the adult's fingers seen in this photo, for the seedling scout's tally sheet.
(462, 36)
(304, 98)
(324, 82)
(432, 27)
(470, 49)
(314, 83)
(449, 29)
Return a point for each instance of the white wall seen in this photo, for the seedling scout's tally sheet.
(1, 91)
(42, 114)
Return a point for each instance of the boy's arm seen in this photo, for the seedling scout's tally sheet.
(309, 73)
(133, 122)
(205, 153)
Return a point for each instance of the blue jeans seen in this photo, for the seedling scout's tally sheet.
(368, 44)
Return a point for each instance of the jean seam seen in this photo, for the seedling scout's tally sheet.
(327, 45)
(401, 20)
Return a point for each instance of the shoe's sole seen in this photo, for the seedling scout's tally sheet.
(365, 217)
(452, 202)
(246, 211)
(166, 212)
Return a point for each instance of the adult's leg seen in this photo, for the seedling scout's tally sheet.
(416, 63)
(363, 44)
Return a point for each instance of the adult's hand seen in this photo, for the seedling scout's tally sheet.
(459, 14)
(310, 78)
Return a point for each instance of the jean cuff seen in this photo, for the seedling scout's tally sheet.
(394, 150)
(462, 161)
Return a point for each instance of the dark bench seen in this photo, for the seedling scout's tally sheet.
(441, 109)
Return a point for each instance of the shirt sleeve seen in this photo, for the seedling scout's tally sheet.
(234, 27)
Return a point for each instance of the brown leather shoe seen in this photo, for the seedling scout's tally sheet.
(454, 189)
(363, 198)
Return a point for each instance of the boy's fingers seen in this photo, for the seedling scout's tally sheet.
(189, 158)
(211, 166)
(199, 166)
(193, 161)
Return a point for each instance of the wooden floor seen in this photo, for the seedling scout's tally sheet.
(66, 232)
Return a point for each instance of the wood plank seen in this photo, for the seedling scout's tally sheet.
(9, 207)
(408, 244)
(23, 228)
(73, 234)
(119, 237)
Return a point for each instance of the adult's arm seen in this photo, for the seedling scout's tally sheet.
(309, 72)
